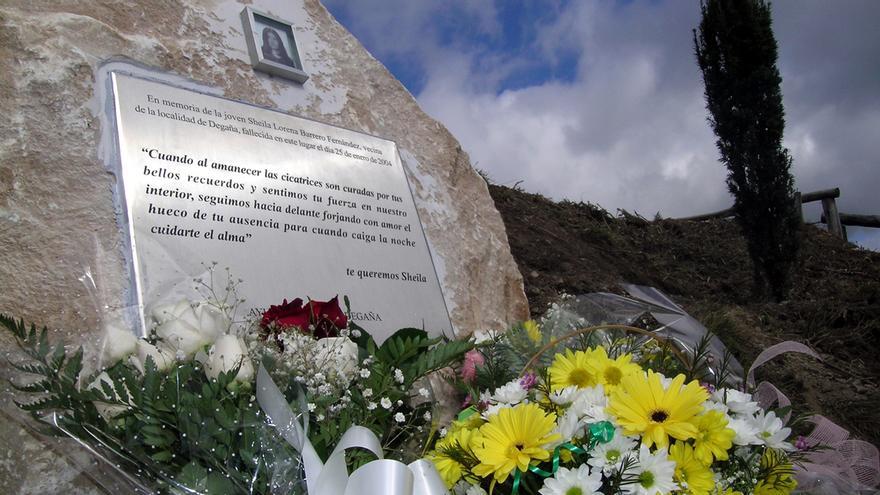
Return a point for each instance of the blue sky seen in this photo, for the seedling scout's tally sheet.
(602, 101)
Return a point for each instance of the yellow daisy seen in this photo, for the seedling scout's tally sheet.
(609, 371)
(513, 439)
(572, 368)
(689, 471)
(444, 456)
(713, 438)
(533, 331)
(642, 406)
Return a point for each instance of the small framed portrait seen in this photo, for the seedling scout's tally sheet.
(272, 46)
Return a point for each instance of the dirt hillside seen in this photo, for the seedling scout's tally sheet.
(834, 307)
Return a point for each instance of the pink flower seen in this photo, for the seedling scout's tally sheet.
(801, 443)
(472, 360)
(528, 381)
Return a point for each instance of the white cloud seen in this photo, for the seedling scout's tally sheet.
(618, 135)
(629, 131)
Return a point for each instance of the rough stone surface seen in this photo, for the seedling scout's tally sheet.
(57, 214)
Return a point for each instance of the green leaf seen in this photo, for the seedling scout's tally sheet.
(43, 346)
(219, 485)
(161, 456)
(437, 358)
(17, 328)
(403, 345)
(42, 385)
(223, 419)
(193, 476)
(107, 389)
(58, 357)
(40, 405)
(73, 367)
(33, 368)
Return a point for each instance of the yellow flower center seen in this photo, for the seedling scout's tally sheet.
(579, 377)
(646, 479)
(613, 375)
(575, 490)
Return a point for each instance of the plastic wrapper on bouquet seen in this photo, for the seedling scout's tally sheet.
(630, 395)
(179, 410)
(645, 307)
(171, 412)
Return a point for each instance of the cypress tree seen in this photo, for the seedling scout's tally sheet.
(737, 53)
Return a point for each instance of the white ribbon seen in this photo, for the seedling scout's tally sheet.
(384, 476)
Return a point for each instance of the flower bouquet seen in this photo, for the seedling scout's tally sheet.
(190, 408)
(613, 409)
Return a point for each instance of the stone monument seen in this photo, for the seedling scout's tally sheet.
(63, 250)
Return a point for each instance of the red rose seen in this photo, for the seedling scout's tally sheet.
(291, 314)
(326, 317)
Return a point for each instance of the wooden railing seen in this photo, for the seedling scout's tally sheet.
(830, 215)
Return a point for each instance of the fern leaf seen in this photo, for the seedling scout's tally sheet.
(35, 387)
(439, 357)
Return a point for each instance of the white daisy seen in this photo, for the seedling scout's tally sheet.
(711, 405)
(771, 432)
(590, 404)
(567, 427)
(510, 393)
(564, 396)
(653, 474)
(608, 457)
(738, 402)
(465, 488)
(571, 481)
(493, 409)
(746, 430)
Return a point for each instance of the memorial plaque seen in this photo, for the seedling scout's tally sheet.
(294, 207)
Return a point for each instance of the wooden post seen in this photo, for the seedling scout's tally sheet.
(799, 206)
(817, 195)
(829, 209)
(860, 220)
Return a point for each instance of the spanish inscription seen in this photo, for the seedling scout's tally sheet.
(295, 207)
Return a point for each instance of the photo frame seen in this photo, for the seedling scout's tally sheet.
(272, 46)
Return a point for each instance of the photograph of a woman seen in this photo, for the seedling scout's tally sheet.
(271, 45)
(274, 49)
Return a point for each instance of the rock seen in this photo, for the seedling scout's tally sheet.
(61, 263)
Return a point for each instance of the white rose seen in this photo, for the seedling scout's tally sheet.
(226, 354)
(162, 357)
(119, 343)
(188, 327)
(108, 411)
(338, 351)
